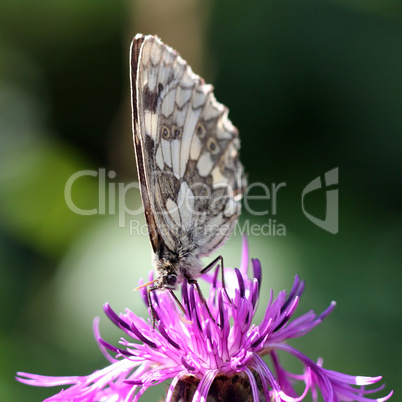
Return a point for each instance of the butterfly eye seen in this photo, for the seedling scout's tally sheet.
(171, 279)
(201, 130)
(165, 133)
(212, 146)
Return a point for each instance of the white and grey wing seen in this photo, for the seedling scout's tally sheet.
(189, 150)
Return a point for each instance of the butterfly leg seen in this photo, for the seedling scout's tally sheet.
(154, 316)
(177, 301)
(203, 300)
(210, 266)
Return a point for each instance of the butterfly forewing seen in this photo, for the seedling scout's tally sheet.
(187, 153)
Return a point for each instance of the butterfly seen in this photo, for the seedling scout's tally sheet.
(187, 154)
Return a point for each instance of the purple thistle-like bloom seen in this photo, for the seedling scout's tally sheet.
(220, 358)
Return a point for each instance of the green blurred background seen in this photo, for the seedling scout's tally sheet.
(311, 85)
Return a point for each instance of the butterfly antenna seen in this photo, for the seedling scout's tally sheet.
(145, 285)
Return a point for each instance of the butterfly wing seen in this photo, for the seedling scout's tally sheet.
(187, 152)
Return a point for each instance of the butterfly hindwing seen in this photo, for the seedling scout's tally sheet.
(187, 152)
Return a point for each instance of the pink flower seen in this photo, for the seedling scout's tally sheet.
(219, 357)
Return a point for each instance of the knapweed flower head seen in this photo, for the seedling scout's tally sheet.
(212, 350)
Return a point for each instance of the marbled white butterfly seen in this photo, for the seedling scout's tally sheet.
(188, 164)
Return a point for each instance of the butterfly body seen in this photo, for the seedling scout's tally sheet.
(186, 148)
(174, 267)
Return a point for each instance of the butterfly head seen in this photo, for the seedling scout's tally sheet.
(173, 268)
(169, 280)
(168, 271)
